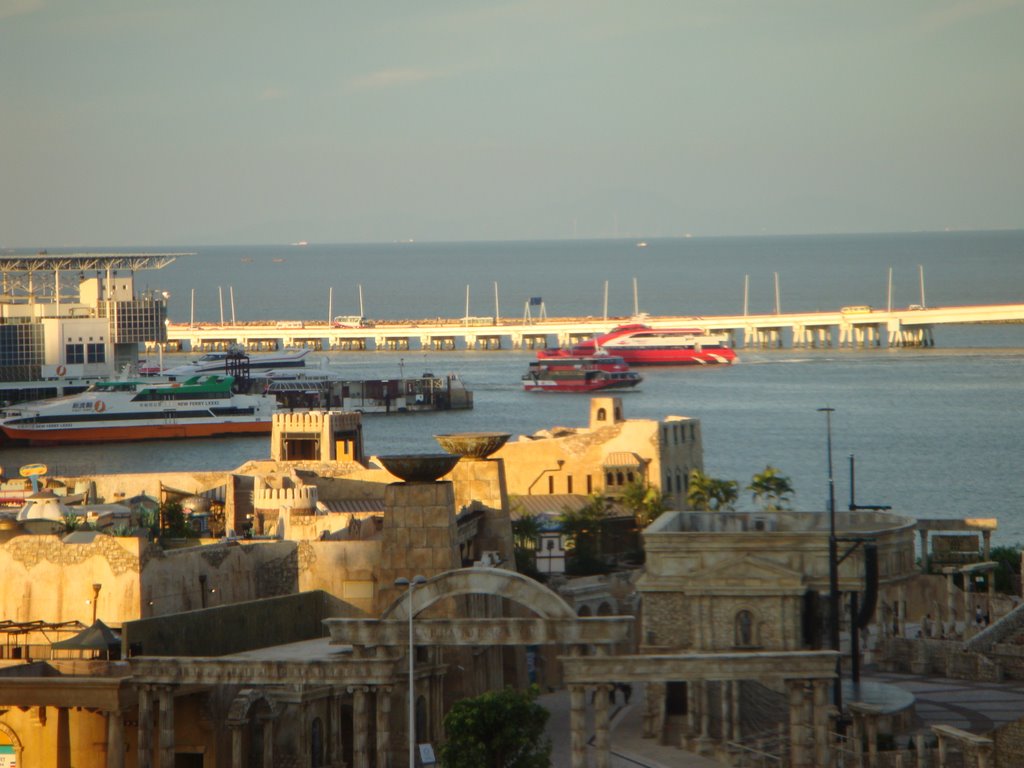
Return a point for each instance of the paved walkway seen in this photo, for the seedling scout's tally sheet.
(629, 749)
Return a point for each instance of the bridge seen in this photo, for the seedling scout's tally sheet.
(847, 327)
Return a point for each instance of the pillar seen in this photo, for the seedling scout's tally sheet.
(923, 534)
(872, 725)
(797, 743)
(268, 741)
(63, 739)
(577, 726)
(237, 730)
(858, 739)
(145, 745)
(822, 747)
(165, 697)
(602, 747)
(735, 734)
(383, 695)
(950, 604)
(704, 740)
(360, 728)
(115, 739)
(335, 749)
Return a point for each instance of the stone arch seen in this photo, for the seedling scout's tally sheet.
(584, 611)
(604, 609)
(245, 702)
(12, 736)
(482, 581)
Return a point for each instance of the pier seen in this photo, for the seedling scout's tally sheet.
(850, 327)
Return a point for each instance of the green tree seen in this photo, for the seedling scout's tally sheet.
(526, 531)
(771, 490)
(1009, 566)
(644, 500)
(711, 494)
(499, 729)
(582, 529)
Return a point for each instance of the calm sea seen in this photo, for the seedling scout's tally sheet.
(935, 432)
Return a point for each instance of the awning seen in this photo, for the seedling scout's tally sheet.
(98, 637)
(623, 460)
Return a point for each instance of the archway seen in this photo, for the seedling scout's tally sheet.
(10, 747)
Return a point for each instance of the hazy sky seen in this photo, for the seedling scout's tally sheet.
(164, 122)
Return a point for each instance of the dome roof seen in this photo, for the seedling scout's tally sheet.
(43, 505)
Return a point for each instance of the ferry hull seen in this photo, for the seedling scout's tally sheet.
(674, 357)
(104, 434)
(555, 386)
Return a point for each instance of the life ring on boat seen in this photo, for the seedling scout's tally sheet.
(61, 370)
(99, 406)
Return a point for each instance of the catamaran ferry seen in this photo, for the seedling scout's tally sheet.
(201, 406)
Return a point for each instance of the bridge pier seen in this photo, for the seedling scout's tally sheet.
(348, 345)
(488, 342)
(437, 342)
(393, 343)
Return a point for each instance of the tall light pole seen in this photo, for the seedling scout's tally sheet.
(833, 567)
(411, 588)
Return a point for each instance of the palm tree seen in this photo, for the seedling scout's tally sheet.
(526, 530)
(711, 494)
(771, 490)
(646, 502)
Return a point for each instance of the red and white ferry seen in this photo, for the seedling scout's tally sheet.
(639, 344)
(562, 371)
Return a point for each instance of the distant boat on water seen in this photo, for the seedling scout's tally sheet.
(278, 260)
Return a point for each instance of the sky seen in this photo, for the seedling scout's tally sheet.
(187, 122)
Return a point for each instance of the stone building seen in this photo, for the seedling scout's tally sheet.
(606, 455)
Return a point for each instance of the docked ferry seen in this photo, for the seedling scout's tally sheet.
(640, 344)
(201, 406)
(566, 372)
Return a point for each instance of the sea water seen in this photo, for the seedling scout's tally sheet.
(934, 432)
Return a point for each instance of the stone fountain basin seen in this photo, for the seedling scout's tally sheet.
(472, 445)
(419, 467)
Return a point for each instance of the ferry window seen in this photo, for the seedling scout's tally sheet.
(74, 354)
(95, 353)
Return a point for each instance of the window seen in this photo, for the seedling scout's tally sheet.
(74, 354)
(551, 484)
(744, 629)
(95, 353)
(590, 485)
(568, 484)
(602, 415)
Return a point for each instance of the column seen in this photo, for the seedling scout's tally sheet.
(704, 740)
(901, 603)
(797, 750)
(822, 747)
(577, 725)
(924, 550)
(237, 730)
(871, 720)
(383, 696)
(726, 710)
(360, 728)
(602, 747)
(165, 697)
(736, 734)
(950, 606)
(692, 711)
(942, 750)
(145, 745)
(115, 739)
(63, 739)
(334, 745)
(858, 739)
(268, 741)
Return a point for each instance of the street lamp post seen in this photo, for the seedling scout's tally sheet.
(833, 566)
(411, 587)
